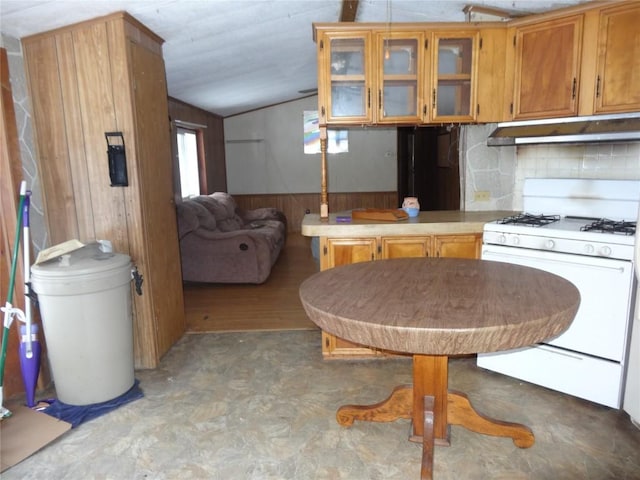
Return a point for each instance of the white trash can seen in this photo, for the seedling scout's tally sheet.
(85, 304)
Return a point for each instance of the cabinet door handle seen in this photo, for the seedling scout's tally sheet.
(573, 89)
(368, 97)
(424, 110)
(598, 87)
(380, 99)
(434, 99)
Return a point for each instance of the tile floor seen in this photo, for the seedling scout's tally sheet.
(261, 405)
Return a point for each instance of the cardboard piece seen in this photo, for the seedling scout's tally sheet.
(25, 432)
(58, 250)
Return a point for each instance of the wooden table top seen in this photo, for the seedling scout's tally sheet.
(440, 306)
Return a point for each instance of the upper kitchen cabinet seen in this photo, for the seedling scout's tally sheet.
(617, 81)
(400, 66)
(86, 80)
(547, 66)
(453, 76)
(344, 77)
(405, 74)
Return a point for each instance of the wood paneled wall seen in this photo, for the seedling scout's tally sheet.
(295, 205)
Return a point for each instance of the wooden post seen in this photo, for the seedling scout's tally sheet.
(324, 199)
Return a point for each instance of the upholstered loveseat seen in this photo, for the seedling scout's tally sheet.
(221, 243)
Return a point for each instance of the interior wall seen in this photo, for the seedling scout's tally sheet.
(265, 154)
(22, 106)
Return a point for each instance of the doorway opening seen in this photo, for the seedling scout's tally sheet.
(429, 166)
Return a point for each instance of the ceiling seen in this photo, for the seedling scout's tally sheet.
(234, 56)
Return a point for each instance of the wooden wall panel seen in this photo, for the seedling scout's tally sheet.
(145, 345)
(295, 205)
(77, 159)
(97, 110)
(107, 75)
(160, 223)
(52, 147)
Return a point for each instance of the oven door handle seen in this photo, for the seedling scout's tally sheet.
(551, 260)
(557, 351)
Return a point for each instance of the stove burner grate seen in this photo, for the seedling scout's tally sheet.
(611, 226)
(529, 219)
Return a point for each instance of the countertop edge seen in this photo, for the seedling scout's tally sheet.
(426, 223)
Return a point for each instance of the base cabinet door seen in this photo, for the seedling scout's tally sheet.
(406, 247)
(458, 246)
(336, 252)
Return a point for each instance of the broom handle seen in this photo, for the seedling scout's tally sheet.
(12, 278)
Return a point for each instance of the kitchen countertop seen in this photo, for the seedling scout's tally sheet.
(426, 223)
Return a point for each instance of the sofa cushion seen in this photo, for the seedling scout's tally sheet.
(222, 205)
(192, 215)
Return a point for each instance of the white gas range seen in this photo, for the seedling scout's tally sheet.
(584, 231)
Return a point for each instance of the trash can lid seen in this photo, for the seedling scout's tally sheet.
(89, 259)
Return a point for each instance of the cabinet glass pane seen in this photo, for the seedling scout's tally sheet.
(347, 99)
(347, 56)
(399, 56)
(454, 98)
(399, 100)
(348, 80)
(399, 76)
(454, 56)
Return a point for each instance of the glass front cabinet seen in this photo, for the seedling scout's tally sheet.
(379, 76)
(453, 81)
(400, 77)
(344, 77)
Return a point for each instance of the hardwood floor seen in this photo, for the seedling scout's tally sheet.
(274, 305)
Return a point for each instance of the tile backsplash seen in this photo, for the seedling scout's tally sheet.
(502, 170)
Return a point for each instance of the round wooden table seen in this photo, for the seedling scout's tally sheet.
(433, 308)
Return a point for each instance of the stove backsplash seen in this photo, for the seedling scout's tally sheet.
(501, 171)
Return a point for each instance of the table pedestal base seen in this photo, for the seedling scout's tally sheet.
(432, 409)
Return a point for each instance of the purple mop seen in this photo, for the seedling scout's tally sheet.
(30, 347)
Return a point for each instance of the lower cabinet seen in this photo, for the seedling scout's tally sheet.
(344, 251)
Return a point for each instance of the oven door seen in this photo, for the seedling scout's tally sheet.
(601, 325)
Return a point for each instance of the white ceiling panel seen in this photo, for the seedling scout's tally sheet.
(232, 56)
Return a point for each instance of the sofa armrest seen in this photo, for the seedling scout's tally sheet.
(265, 213)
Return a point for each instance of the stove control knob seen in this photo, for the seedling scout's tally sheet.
(502, 239)
(516, 240)
(550, 244)
(588, 249)
(605, 251)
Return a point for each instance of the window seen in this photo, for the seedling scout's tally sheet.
(188, 162)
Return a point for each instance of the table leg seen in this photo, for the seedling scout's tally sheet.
(430, 377)
(426, 470)
(398, 405)
(461, 412)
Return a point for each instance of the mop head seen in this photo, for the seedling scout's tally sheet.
(4, 413)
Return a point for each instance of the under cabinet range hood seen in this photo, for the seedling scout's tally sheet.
(623, 127)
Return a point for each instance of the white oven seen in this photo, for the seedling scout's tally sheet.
(589, 359)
